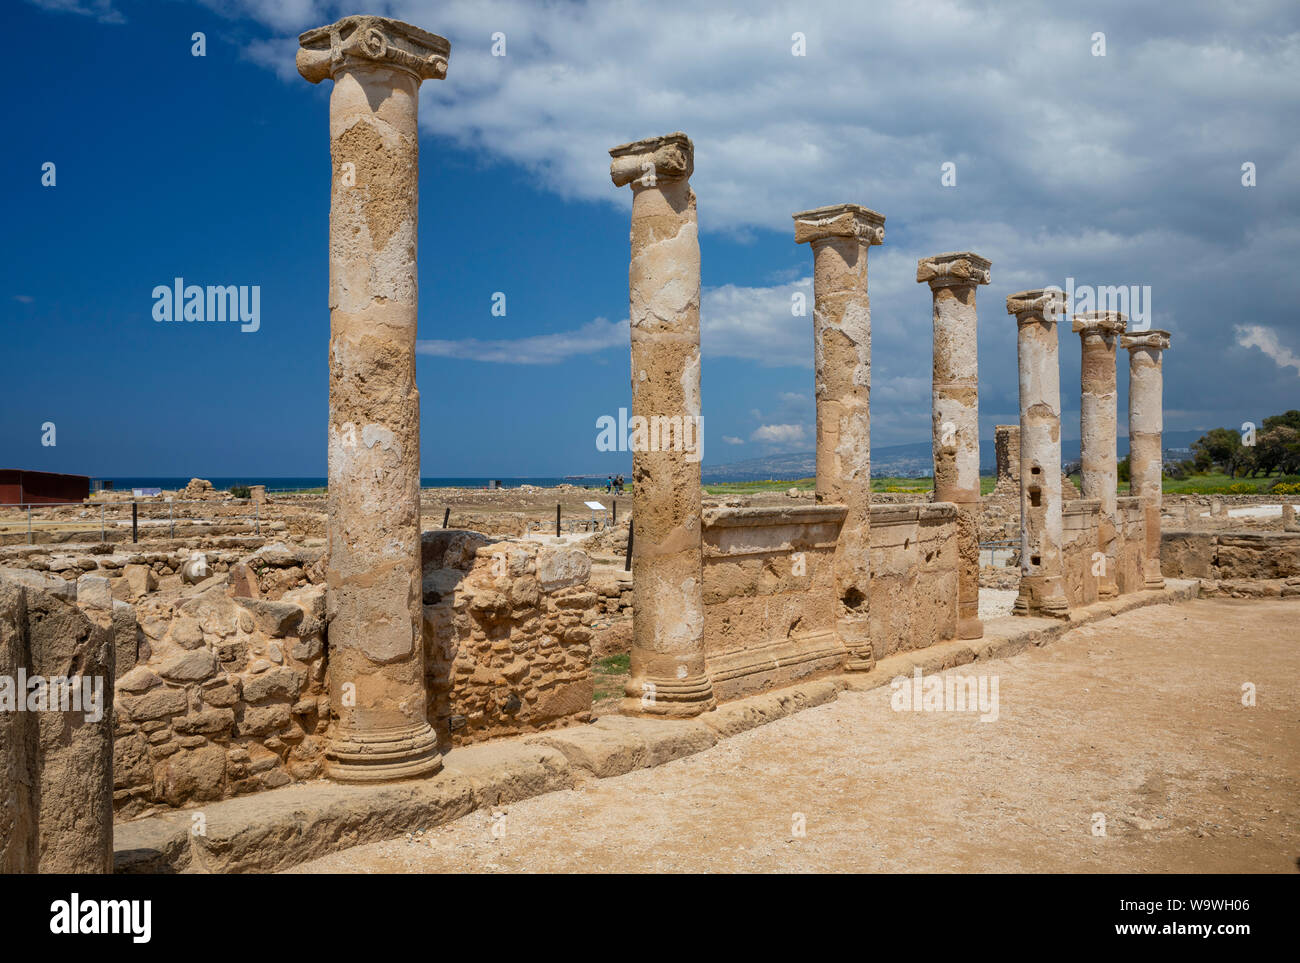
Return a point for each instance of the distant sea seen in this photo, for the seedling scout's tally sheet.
(296, 484)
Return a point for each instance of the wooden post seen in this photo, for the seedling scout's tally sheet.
(557, 520)
(135, 521)
(445, 516)
(627, 563)
(615, 522)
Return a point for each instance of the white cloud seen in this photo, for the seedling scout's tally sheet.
(101, 10)
(551, 348)
(778, 434)
(733, 440)
(1258, 336)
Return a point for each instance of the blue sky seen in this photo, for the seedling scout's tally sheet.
(1122, 169)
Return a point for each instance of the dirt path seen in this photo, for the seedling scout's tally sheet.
(1139, 718)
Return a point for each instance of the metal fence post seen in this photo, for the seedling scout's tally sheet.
(102, 510)
(171, 517)
(29, 524)
(135, 522)
(257, 519)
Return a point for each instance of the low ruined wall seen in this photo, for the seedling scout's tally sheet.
(1131, 546)
(769, 603)
(1217, 556)
(56, 729)
(507, 635)
(913, 576)
(1080, 541)
(769, 596)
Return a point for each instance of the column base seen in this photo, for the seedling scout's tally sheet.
(668, 698)
(969, 628)
(1107, 591)
(1054, 607)
(382, 755)
(1153, 583)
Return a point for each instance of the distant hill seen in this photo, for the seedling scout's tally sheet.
(900, 461)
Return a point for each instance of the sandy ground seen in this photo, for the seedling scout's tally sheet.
(1138, 720)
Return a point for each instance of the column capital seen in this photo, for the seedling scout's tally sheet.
(1044, 302)
(366, 40)
(953, 269)
(839, 220)
(1100, 322)
(670, 156)
(1159, 340)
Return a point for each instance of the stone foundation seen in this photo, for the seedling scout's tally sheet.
(769, 593)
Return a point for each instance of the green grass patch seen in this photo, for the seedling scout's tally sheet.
(610, 674)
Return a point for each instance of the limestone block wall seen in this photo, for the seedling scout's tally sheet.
(507, 635)
(769, 600)
(769, 596)
(56, 741)
(1080, 540)
(1130, 552)
(913, 576)
(1218, 556)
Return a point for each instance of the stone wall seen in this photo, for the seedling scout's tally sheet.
(1080, 521)
(56, 738)
(1217, 556)
(507, 635)
(769, 594)
(231, 699)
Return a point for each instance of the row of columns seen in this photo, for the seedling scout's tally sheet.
(377, 683)
(1042, 572)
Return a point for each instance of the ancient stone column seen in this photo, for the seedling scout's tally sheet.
(840, 236)
(1042, 571)
(1099, 333)
(377, 687)
(668, 673)
(1145, 424)
(955, 415)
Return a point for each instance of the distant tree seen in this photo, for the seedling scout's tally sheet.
(1122, 469)
(1288, 419)
(1274, 446)
(1221, 447)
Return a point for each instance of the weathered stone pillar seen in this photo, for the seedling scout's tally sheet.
(20, 848)
(1099, 333)
(1145, 424)
(1288, 515)
(955, 415)
(668, 673)
(1042, 571)
(377, 685)
(840, 236)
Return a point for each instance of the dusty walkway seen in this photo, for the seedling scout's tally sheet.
(1139, 718)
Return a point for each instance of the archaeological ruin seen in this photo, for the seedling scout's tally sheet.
(349, 640)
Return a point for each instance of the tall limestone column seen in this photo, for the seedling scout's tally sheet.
(1099, 333)
(955, 415)
(668, 673)
(377, 686)
(1042, 570)
(840, 236)
(1146, 421)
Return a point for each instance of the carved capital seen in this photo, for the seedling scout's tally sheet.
(671, 157)
(957, 267)
(360, 40)
(1044, 302)
(1159, 340)
(1100, 322)
(839, 220)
